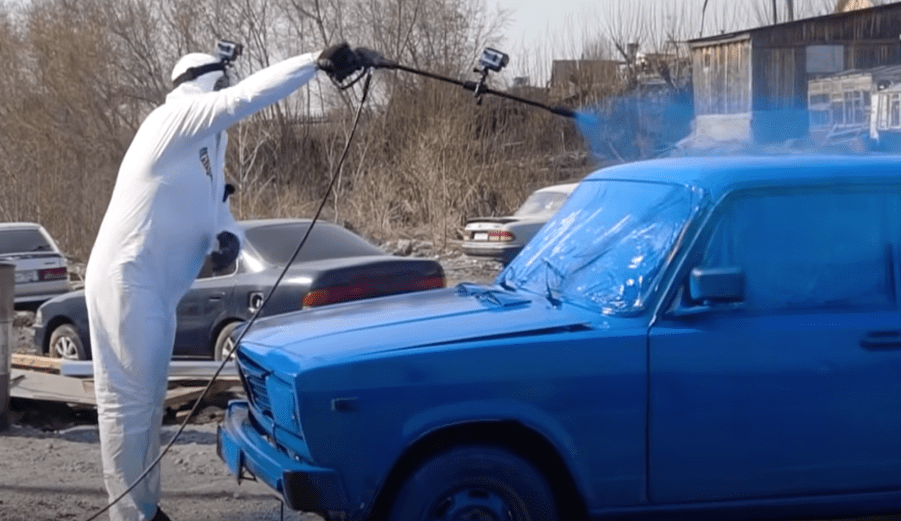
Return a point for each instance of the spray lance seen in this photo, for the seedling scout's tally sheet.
(491, 60)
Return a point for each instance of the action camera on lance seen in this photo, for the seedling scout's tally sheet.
(228, 51)
(493, 60)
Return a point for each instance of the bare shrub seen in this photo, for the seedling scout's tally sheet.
(82, 74)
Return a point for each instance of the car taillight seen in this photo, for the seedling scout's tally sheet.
(53, 274)
(361, 290)
(500, 235)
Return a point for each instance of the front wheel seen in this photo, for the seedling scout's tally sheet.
(475, 483)
(66, 344)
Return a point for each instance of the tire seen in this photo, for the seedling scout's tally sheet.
(65, 344)
(477, 482)
(223, 341)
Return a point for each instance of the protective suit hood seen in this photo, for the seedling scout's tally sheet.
(203, 83)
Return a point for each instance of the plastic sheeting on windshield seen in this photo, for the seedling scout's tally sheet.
(605, 248)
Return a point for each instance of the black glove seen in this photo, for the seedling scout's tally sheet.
(339, 61)
(229, 189)
(229, 247)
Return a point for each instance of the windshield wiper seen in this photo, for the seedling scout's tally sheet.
(551, 294)
(503, 281)
(497, 297)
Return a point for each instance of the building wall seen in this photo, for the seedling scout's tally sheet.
(721, 77)
(769, 66)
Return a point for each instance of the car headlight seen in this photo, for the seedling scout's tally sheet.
(284, 404)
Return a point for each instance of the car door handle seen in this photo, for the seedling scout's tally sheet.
(882, 340)
(255, 300)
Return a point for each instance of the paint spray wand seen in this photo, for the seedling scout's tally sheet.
(491, 60)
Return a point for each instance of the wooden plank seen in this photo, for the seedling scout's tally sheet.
(178, 396)
(37, 385)
(177, 369)
(35, 363)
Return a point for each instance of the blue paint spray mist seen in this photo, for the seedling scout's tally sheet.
(637, 126)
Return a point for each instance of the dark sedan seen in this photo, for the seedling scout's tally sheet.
(334, 265)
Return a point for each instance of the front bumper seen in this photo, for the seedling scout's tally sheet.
(302, 486)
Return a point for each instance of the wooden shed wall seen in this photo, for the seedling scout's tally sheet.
(776, 77)
(721, 78)
(778, 57)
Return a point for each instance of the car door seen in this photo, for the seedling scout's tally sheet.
(796, 391)
(201, 309)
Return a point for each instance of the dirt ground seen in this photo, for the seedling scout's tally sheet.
(50, 455)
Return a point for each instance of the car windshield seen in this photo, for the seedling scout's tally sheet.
(606, 247)
(21, 241)
(541, 203)
(276, 242)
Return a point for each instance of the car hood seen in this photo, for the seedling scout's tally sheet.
(426, 318)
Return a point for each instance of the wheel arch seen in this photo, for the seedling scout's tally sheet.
(510, 435)
(217, 330)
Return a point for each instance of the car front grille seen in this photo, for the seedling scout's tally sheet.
(254, 377)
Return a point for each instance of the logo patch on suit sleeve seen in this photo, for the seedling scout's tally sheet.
(205, 161)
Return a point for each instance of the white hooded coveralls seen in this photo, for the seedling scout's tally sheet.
(165, 212)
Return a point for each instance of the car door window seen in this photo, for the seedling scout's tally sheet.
(806, 250)
(206, 271)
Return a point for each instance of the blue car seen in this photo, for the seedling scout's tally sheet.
(691, 337)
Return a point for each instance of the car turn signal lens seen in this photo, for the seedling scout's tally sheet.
(500, 235)
(53, 274)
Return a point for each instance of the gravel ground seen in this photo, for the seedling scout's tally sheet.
(50, 455)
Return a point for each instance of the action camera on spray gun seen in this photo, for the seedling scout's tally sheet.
(493, 60)
(228, 51)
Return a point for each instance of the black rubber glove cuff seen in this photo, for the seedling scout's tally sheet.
(229, 247)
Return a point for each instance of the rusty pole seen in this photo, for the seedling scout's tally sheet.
(7, 297)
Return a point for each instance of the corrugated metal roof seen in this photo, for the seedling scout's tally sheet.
(781, 26)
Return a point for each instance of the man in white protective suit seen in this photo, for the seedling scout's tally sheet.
(168, 210)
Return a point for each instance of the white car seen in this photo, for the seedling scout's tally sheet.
(41, 269)
(501, 238)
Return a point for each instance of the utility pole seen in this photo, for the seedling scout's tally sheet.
(790, 9)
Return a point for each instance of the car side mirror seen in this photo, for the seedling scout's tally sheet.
(717, 285)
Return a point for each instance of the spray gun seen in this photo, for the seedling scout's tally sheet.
(491, 60)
